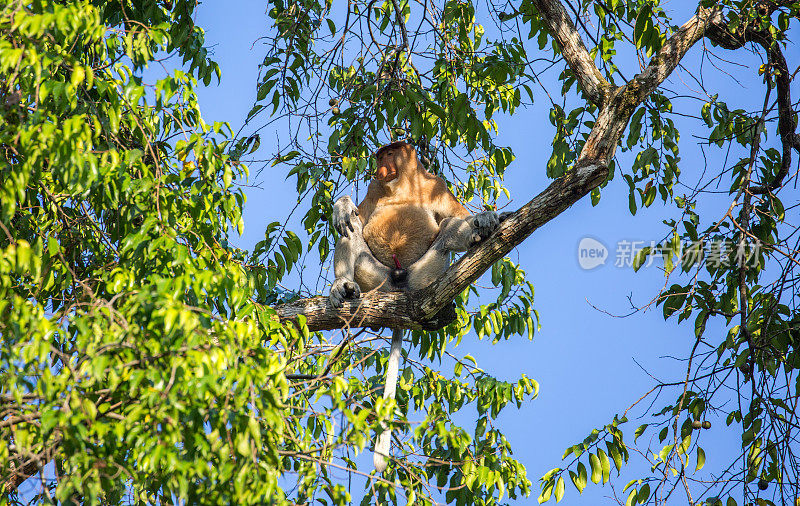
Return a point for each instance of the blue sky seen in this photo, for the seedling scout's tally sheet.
(589, 364)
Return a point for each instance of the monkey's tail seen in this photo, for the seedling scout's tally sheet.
(381, 455)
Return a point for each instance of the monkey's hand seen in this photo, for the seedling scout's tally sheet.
(344, 217)
(341, 289)
(483, 224)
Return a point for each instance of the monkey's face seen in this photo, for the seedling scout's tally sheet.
(388, 165)
(396, 160)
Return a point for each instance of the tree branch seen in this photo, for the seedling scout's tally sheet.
(673, 51)
(614, 116)
(16, 476)
(786, 124)
(560, 26)
(555, 199)
(720, 35)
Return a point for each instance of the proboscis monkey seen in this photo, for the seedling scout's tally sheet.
(400, 237)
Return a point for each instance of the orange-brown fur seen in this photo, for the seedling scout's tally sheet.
(404, 206)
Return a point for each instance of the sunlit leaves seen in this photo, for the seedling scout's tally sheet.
(589, 461)
(578, 477)
(701, 459)
(115, 268)
(645, 34)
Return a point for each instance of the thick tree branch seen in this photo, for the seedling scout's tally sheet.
(673, 51)
(372, 309)
(560, 26)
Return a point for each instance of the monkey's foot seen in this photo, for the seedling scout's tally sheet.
(483, 224)
(341, 289)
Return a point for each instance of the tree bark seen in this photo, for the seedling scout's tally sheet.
(719, 34)
(563, 30)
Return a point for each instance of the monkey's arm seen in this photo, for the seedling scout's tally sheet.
(444, 203)
(455, 234)
(345, 221)
(355, 267)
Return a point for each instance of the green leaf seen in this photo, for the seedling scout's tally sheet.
(701, 459)
(642, 31)
(559, 491)
(547, 491)
(579, 478)
(243, 445)
(615, 455)
(643, 494)
(597, 468)
(605, 465)
(632, 496)
(641, 257)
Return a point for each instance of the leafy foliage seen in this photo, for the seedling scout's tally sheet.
(131, 352)
(141, 358)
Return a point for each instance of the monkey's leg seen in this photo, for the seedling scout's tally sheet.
(455, 234)
(356, 269)
(381, 455)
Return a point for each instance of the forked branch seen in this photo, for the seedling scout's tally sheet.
(427, 308)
